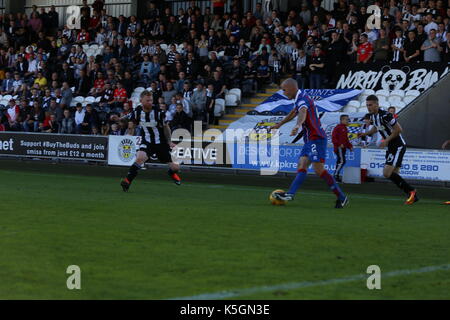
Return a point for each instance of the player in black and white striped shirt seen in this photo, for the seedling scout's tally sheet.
(155, 139)
(390, 130)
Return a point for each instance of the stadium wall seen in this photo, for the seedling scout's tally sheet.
(426, 120)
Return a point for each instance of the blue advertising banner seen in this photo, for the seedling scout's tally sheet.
(255, 156)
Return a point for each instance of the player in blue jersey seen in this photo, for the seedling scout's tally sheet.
(315, 149)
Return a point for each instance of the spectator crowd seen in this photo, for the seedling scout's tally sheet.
(190, 58)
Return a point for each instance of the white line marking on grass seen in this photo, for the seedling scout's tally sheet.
(307, 284)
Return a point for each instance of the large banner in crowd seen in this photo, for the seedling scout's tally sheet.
(55, 146)
(390, 76)
(255, 128)
(326, 100)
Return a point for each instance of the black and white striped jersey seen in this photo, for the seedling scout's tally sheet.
(151, 125)
(385, 121)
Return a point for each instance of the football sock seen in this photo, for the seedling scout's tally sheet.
(133, 172)
(298, 181)
(171, 172)
(331, 182)
(402, 184)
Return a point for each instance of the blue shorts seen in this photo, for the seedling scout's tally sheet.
(315, 150)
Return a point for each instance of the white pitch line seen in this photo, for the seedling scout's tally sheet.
(306, 284)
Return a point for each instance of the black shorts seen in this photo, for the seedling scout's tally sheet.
(157, 151)
(394, 155)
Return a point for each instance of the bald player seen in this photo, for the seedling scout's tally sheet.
(315, 149)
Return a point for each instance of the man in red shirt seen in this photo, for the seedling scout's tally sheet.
(99, 85)
(365, 50)
(341, 144)
(119, 97)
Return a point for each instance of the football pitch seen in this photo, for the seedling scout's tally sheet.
(214, 237)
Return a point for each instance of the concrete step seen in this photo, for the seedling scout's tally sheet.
(220, 127)
(226, 121)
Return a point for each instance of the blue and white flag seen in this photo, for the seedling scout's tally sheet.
(327, 100)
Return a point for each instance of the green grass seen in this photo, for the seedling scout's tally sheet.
(161, 241)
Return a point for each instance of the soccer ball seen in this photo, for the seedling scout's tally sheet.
(275, 201)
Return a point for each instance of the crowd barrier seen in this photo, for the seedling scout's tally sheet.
(418, 164)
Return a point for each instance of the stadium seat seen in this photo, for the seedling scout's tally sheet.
(7, 97)
(350, 109)
(382, 93)
(412, 93)
(72, 89)
(408, 99)
(221, 54)
(368, 92)
(237, 92)
(354, 103)
(85, 47)
(90, 99)
(93, 47)
(138, 90)
(79, 99)
(163, 46)
(398, 105)
(397, 93)
(363, 109)
(97, 100)
(384, 104)
(73, 103)
(393, 99)
(219, 108)
(231, 100)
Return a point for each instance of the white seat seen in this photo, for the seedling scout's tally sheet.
(398, 105)
(397, 93)
(354, 103)
(368, 92)
(408, 99)
(384, 104)
(93, 47)
(412, 93)
(72, 89)
(393, 99)
(90, 99)
(163, 46)
(237, 92)
(231, 100)
(79, 99)
(98, 99)
(139, 90)
(85, 47)
(1, 97)
(7, 97)
(220, 54)
(350, 109)
(363, 109)
(382, 93)
(73, 103)
(219, 107)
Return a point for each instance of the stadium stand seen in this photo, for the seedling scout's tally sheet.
(237, 55)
